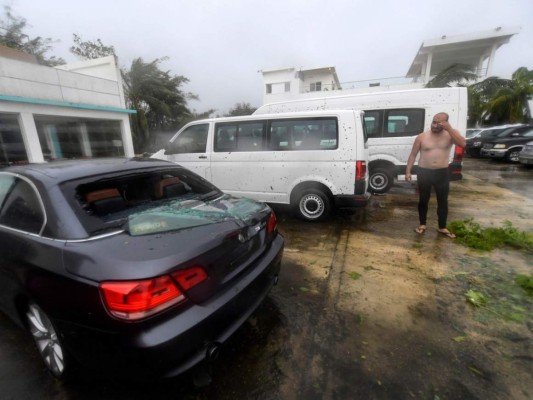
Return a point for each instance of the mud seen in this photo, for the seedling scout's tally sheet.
(366, 309)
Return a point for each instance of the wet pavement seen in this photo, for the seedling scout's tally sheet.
(365, 308)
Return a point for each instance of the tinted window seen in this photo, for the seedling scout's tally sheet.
(191, 140)
(304, 134)
(12, 149)
(394, 123)
(240, 136)
(21, 208)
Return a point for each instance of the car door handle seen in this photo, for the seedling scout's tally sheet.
(202, 156)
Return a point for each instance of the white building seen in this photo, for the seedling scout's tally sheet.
(71, 111)
(477, 50)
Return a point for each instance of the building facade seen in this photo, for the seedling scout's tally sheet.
(72, 111)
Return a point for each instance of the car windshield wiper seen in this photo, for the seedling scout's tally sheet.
(210, 195)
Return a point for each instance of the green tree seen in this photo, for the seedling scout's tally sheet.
(241, 109)
(87, 50)
(454, 75)
(506, 99)
(158, 99)
(12, 35)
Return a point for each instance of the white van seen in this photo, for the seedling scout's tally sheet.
(310, 160)
(392, 120)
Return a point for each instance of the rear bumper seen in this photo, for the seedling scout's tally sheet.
(166, 346)
(494, 153)
(345, 201)
(526, 159)
(456, 171)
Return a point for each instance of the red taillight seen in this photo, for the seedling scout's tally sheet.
(459, 153)
(272, 223)
(187, 278)
(360, 170)
(134, 300)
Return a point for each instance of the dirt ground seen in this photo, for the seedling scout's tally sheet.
(366, 309)
(393, 321)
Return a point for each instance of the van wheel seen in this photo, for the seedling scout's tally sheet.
(381, 180)
(512, 156)
(312, 205)
(47, 340)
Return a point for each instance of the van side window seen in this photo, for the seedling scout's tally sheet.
(303, 134)
(191, 140)
(373, 121)
(405, 122)
(394, 123)
(240, 136)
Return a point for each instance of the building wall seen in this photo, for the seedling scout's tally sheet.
(79, 106)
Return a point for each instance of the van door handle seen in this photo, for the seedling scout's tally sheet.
(202, 156)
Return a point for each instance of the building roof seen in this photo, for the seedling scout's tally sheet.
(461, 49)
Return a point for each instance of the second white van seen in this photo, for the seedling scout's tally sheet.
(311, 160)
(393, 119)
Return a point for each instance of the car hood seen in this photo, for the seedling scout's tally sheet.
(512, 140)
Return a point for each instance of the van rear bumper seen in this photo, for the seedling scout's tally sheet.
(353, 200)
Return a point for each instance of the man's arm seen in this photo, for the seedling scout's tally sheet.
(456, 136)
(412, 157)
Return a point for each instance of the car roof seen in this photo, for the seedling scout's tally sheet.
(55, 172)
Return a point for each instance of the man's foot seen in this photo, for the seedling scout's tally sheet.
(446, 232)
(421, 229)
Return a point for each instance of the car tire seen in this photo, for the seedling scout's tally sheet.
(381, 180)
(312, 205)
(48, 343)
(513, 155)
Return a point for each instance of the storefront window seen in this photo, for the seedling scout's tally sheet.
(62, 137)
(12, 150)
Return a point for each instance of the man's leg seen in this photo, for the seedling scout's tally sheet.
(424, 189)
(442, 189)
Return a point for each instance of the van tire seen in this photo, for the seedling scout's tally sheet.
(381, 180)
(312, 205)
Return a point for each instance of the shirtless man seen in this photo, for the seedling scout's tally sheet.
(434, 147)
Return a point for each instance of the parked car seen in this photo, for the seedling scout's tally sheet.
(507, 148)
(526, 155)
(471, 132)
(131, 267)
(474, 145)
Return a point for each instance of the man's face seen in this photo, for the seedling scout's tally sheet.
(436, 127)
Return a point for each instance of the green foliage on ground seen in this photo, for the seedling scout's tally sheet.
(471, 234)
(525, 282)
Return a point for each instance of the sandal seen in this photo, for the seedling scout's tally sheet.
(447, 233)
(421, 229)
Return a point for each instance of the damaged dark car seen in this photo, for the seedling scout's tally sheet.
(130, 267)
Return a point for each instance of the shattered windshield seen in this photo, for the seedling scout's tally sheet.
(144, 202)
(190, 213)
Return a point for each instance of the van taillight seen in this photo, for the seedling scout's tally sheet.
(360, 170)
(459, 153)
(272, 222)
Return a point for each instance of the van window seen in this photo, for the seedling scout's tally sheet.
(303, 134)
(191, 140)
(240, 136)
(406, 122)
(373, 123)
(394, 123)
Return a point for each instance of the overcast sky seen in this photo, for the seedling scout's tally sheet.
(221, 45)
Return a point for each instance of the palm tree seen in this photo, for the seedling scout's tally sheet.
(156, 95)
(454, 75)
(507, 100)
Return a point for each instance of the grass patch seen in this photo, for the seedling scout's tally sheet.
(354, 275)
(472, 235)
(525, 282)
